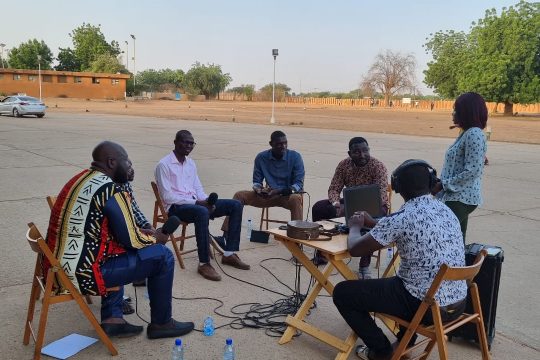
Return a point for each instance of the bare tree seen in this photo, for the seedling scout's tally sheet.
(390, 73)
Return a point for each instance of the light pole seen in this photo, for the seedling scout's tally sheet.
(274, 54)
(134, 71)
(2, 55)
(127, 56)
(39, 75)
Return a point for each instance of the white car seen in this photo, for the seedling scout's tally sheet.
(18, 106)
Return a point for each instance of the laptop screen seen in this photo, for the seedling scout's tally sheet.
(362, 198)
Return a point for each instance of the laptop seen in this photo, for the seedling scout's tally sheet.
(362, 198)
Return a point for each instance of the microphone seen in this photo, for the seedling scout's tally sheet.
(172, 223)
(291, 190)
(212, 199)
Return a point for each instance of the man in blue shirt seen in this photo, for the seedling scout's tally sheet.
(283, 172)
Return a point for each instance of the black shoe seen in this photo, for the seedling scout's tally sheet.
(173, 329)
(139, 283)
(318, 259)
(121, 330)
(127, 309)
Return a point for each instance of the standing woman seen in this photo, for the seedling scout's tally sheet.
(461, 177)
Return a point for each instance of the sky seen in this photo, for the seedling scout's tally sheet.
(323, 45)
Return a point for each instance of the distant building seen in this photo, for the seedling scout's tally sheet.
(63, 84)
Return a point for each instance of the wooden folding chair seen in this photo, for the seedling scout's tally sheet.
(52, 296)
(51, 200)
(161, 215)
(436, 334)
(265, 216)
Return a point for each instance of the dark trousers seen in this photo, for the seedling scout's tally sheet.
(200, 217)
(323, 210)
(156, 263)
(462, 212)
(355, 299)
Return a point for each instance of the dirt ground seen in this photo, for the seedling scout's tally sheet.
(379, 120)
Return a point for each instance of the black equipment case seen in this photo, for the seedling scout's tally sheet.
(488, 280)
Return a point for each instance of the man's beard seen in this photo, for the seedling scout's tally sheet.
(120, 176)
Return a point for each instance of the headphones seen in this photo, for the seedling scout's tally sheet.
(395, 180)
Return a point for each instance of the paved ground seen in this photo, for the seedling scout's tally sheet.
(37, 156)
(518, 129)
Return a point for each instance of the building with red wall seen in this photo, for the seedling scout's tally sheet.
(65, 84)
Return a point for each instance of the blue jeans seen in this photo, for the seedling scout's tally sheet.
(156, 263)
(200, 217)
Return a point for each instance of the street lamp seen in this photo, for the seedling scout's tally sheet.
(127, 56)
(39, 75)
(274, 54)
(2, 55)
(134, 71)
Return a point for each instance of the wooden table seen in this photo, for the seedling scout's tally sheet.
(335, 251)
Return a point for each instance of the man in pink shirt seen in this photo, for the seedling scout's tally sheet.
(184, 196)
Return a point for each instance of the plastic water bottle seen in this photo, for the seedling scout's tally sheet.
(249, 228)
(177, 350)
(208, 327)
(389, 255)
(228, 352)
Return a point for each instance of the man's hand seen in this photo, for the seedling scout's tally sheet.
(358, 219)
(274, 192)
(369, 222)
(259, 190)
(147, 231)
(161, 238)
(204, 203)
(340, 209)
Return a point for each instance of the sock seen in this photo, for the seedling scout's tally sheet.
(228, 253)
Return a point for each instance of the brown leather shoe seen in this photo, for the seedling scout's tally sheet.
(235, 261)
(208, 272)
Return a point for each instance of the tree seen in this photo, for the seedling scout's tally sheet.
(107, 63)
(89, 42)
(450, 50)
(207, 80)
(159, 80)
(390, 72)
(26, 55)
(281, 90)
(500, 60)
(246, 90)
(67, 60)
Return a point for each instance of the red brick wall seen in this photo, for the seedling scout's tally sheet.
(84, 90)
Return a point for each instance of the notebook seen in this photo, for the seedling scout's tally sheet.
(362, 198)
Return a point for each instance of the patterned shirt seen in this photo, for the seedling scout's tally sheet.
(141, 220)
(427, 234)
(463, 167)
(90, 222)
(279, 173)
(348, 174)
(178, 183)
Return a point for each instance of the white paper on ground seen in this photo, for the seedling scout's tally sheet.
(67, 346)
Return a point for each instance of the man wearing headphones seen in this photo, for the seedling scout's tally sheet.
(427, 234)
